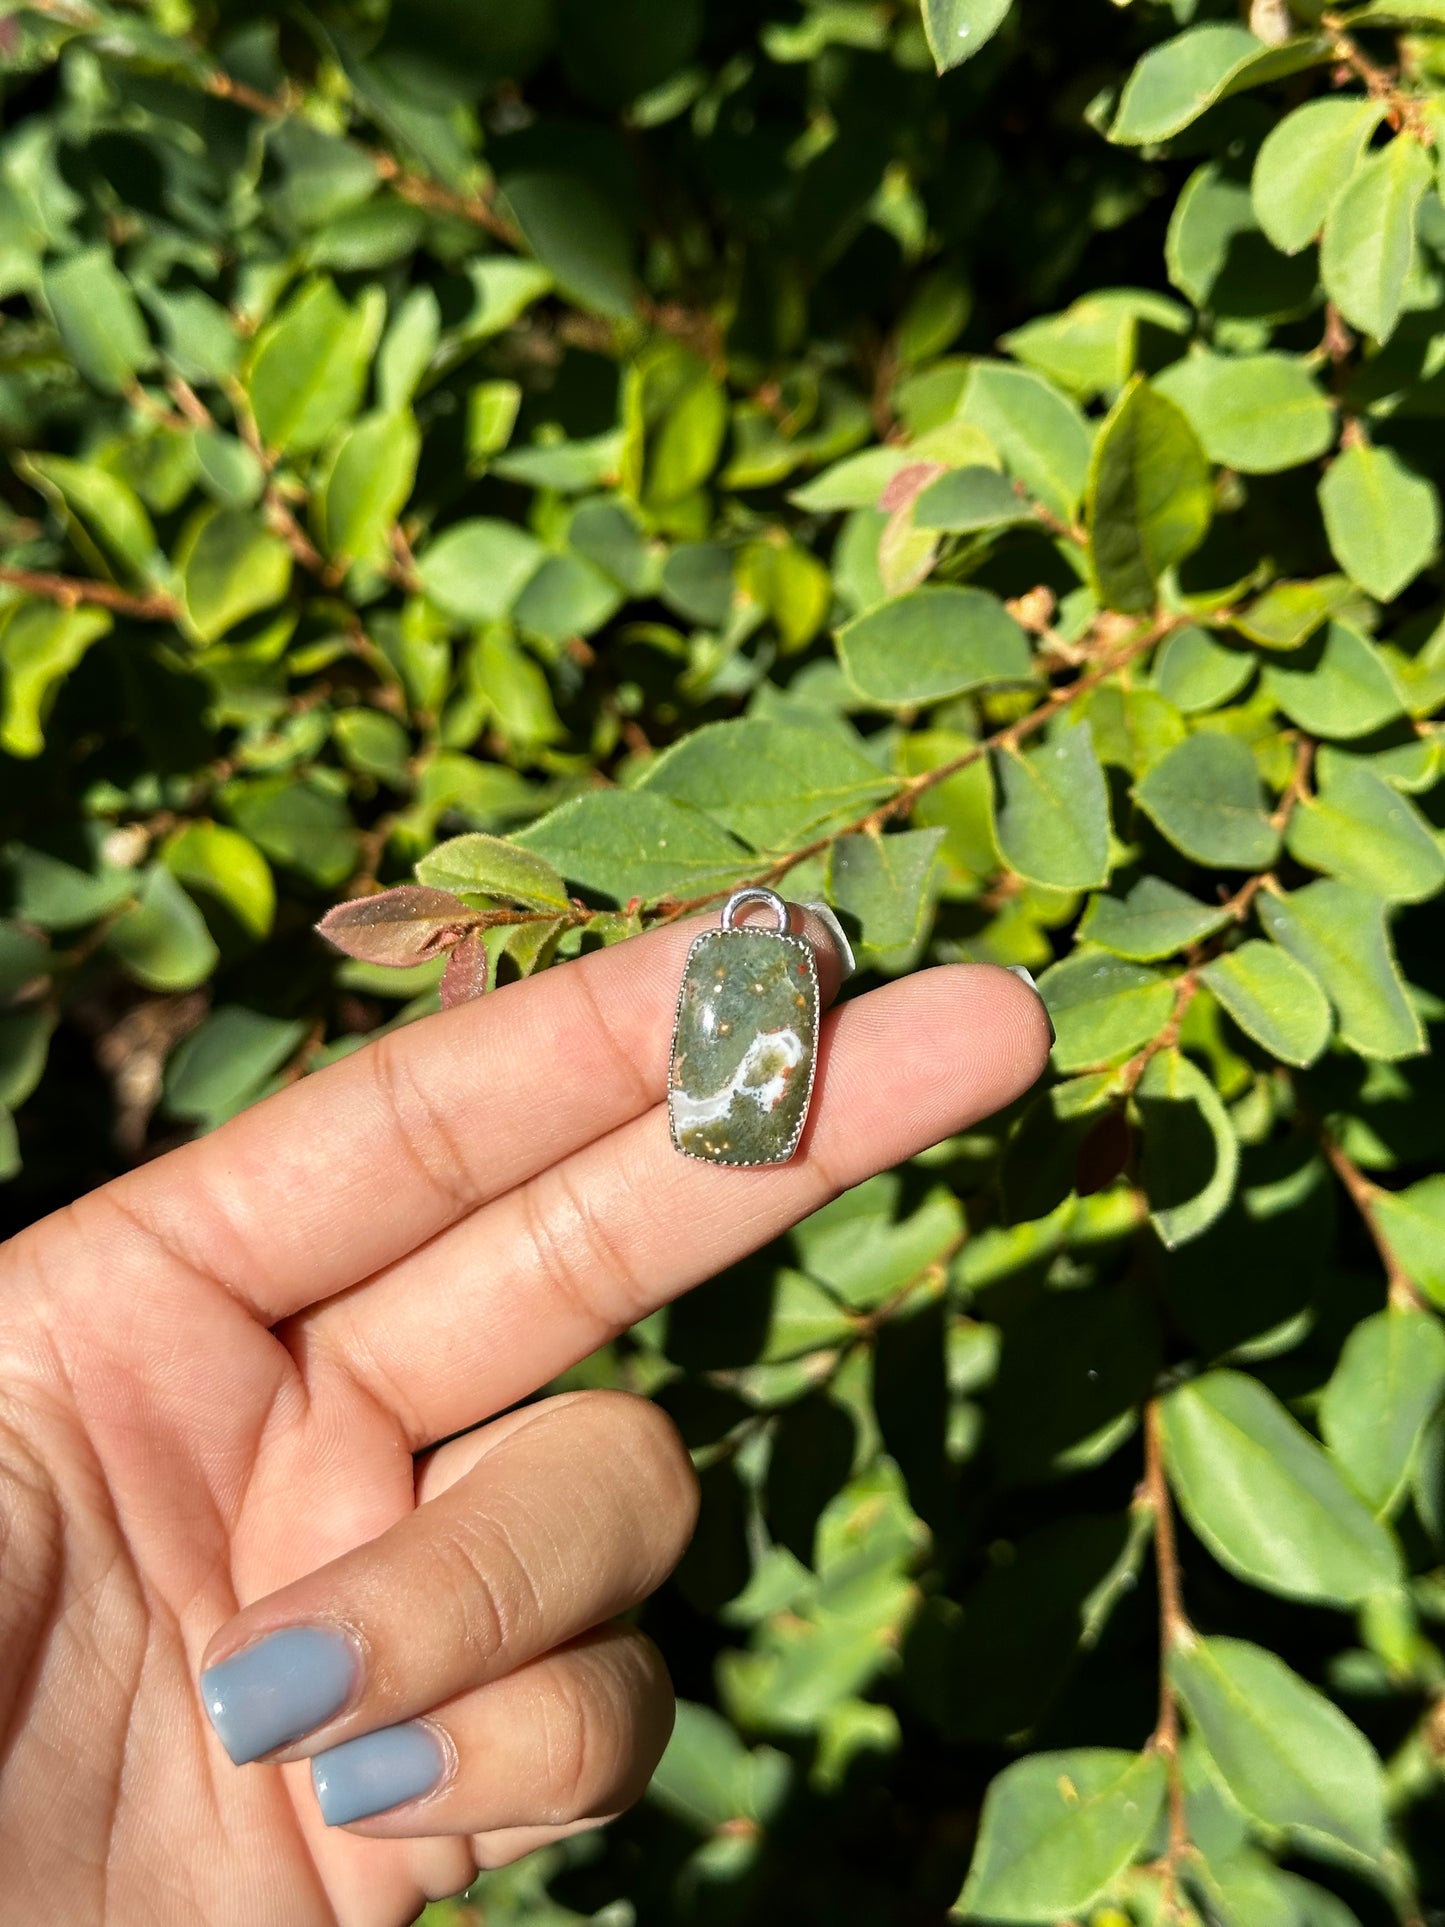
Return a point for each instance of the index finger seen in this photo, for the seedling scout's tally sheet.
(349, 1170)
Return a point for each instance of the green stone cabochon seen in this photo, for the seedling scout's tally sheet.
(745, 1047)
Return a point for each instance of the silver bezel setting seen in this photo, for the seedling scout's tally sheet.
(800, 944)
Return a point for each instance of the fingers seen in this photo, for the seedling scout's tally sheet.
(521, 1290)
(570, 1736)
(351, 1169)
(572, 1511)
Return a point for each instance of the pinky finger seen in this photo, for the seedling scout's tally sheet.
(572, 1736)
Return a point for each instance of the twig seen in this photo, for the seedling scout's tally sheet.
(1173, 1627)
(1364, 1195)
(421, 192)
(1401, 110)
(71, 590)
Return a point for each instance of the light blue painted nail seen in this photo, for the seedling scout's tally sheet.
(380, 1770)
(279, 1689)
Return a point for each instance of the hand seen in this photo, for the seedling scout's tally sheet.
(222, 1382)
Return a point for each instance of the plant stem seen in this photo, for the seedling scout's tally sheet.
(1363, 1195)
(69, 590)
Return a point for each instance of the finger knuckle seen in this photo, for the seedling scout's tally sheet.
(589, 1734)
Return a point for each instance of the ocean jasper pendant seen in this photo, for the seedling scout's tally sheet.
(745, 1045)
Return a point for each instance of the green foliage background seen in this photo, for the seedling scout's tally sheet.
(597, 451)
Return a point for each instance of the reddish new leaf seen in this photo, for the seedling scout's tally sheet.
(406, 926)
(466, 973)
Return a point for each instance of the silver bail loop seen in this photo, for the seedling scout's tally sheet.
(740, 900)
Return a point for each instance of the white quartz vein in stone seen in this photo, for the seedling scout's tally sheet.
(767, 1093)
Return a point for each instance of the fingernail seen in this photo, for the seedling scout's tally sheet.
(1027, 977)
(279, 1689)
(380, 1770)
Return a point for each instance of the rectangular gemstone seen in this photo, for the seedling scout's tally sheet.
(744, 1048)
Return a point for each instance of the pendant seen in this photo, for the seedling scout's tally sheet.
(745, 1042)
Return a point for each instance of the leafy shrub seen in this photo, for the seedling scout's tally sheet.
(588, 453)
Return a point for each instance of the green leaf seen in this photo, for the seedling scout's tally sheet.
(1361, 829)
(1196, 672)
(865, 1254)
(57, 889)
(1256, 413)
(1191, 1155)
(854, 483)
(1266, 1499)
(476, 570)
(886, 883)
(212, 860)
(231, 566)
(1305, 161)
(568, 596)
(1338, 685)
(406, 352)
(775, 785)
(1051, 812)
(1207, 798)
(631, 843)
(226, 1061)
(1383, 520)
(229, 471)
(374, 744)
(1218, 255)
(100, 323)
(1338, 933)
(1413, 1221)
(309, 365)
(302, 824)
(162, 940)
(968, 499)
(1176, 82)
(1102, 1008)
(503, 288)
(934, 642)
(1149, 499)
(1286, 1755)
(366, 486)
(1040, 434)
(1385, 1390)
(1288, 613)
(1057, 1830)
(24, 1050)
(956, 29)
(1092, 347)
(40, 643)
(24, 956)
(108, 509)
(1156, 919)
(490, 866)
(1274, 999)
(1368, 247)
(577, 233)
(707, 1777)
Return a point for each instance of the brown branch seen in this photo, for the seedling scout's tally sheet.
(1173, 1626)
(1401, 109)
(1364, 1194)
(268, 106)
(436, 199)
(72, 590)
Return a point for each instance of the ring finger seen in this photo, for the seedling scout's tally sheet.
(572, 1736)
